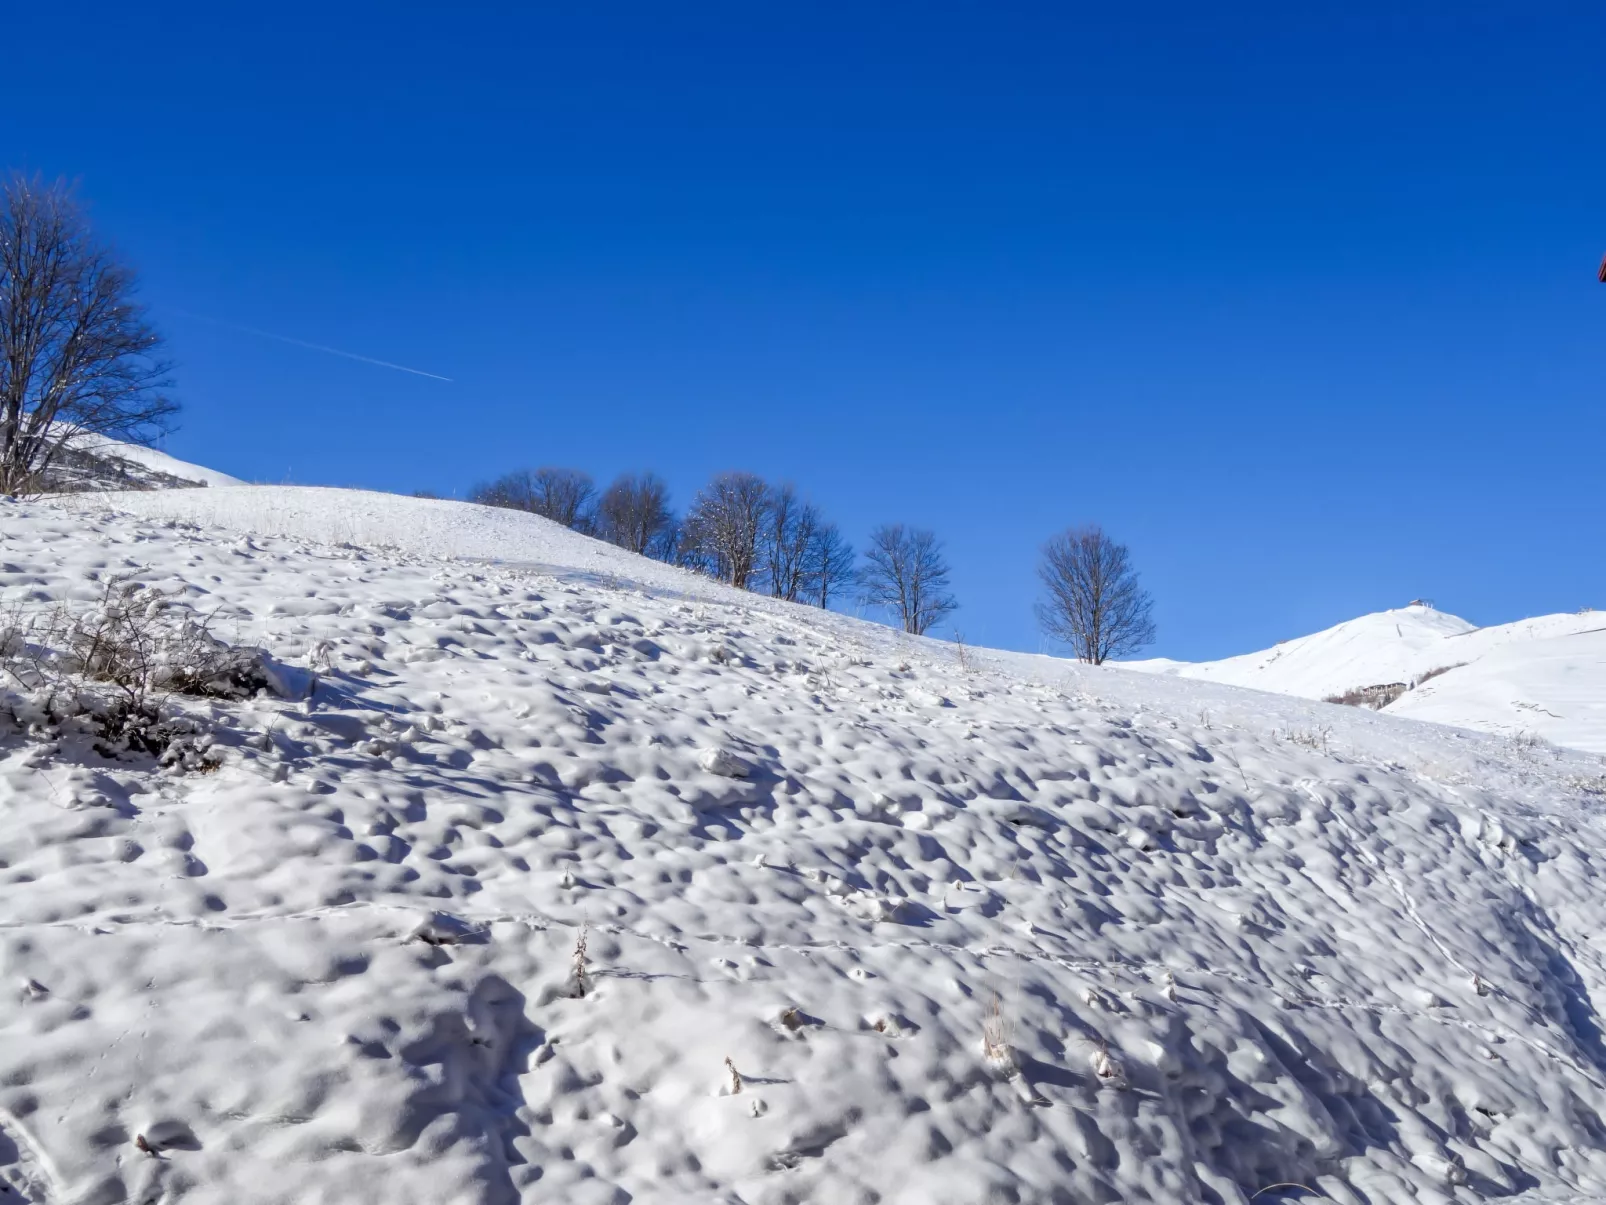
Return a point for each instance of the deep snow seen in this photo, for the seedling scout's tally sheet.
(1229, 939)
(1542, 677)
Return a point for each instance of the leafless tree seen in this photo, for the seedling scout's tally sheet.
(1094, 601)
(511, 491)
(789, 534)
(634, 513)
(562, 495)
(904, 570)
(725, 525)
(830, 559)
(77, 356)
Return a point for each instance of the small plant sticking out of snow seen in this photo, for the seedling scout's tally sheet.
(1168, 987)
(1309, 738)
(886, 1024)
(1106, 1067)
(733, 1078)
(996, 1033)
(579, 976)
(1093, 998)
(1528, 744)
(963, 653)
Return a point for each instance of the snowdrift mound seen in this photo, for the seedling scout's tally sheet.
(1544, 676)
(551, 888)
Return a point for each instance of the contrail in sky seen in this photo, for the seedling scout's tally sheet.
(333, 351)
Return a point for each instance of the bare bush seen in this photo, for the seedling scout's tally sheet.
(1094, 602)
(1376, 697)
(634, 513)
(904, 570)
(77, 356)
(1318, 739)
(111, 669)
(563, 495)
(722, 532)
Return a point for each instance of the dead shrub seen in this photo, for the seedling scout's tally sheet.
(1375, 697)
(111, 669)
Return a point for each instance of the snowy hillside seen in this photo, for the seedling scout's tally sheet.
(157, 462)
(1543, 676)
(554, 874)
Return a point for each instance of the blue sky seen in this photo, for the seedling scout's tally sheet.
(1297, 300)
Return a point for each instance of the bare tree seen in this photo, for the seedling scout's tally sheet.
(789, 534)
(77, 356)
(1094, 602)
(562, 495)
(830, 560)
(904, 569)
(634, 512)
(723, 529)
(511, 491)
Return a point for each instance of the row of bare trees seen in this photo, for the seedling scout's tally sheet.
(739, 528)
(746, 531)
(759, 536)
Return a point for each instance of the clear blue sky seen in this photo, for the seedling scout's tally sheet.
(1296, 299)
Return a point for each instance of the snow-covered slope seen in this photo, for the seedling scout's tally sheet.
(1544, 675)
(1554, 687)
(156, 461)
(1217, 940)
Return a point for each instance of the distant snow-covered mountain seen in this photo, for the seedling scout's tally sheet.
(1545, 676)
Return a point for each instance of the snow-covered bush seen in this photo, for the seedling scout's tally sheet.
(110, 670)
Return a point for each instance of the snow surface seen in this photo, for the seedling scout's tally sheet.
(1544, 676)
(864, 917)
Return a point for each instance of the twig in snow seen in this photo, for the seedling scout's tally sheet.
(1271, 1187)
(580, 979)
